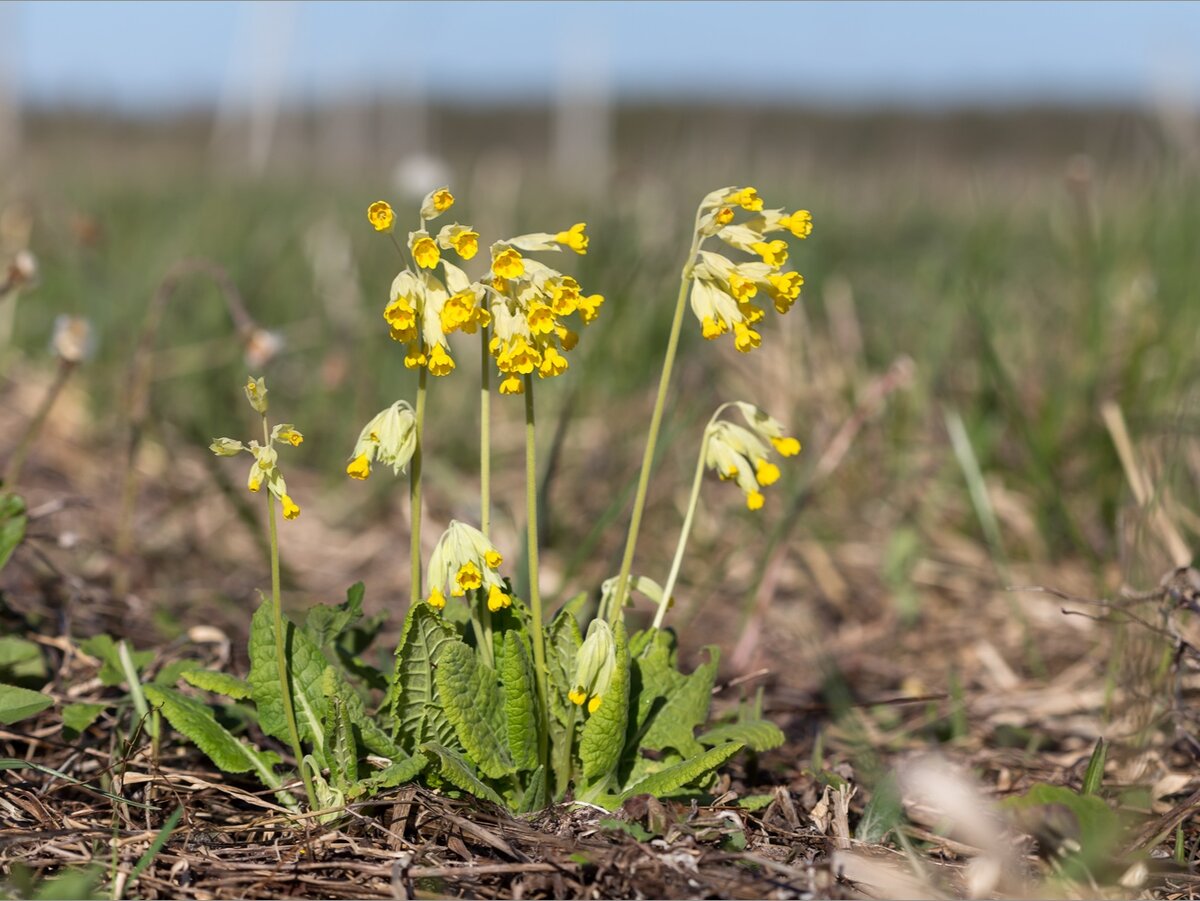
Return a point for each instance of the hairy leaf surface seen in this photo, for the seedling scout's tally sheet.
(458, 772)
(474, 702)
(520, 702)
(603, 736)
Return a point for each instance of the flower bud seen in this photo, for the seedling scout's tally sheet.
(256, 394)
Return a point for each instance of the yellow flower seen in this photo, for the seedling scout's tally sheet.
(574, 238)
(493, 559)
(415, 357)
(594, 704)
(799, 223)
(512, 385)
(424, 250)
(440, 362)
(507, 263)
(380, 215)
(497, 600)
(292, 437)
(458, 311)
(359, 467)
(567, 338)
(745, 338)
(712, 328)
(290, 508)
(442, 200)
(773, 253)
(766, 472)
(553, 363)
(747, 199)
(787, 446)
(436, 599)
(723, 216)
(755, 500)
(589, 307)
(466, 243)
(577, 696)
(784, 289)
(540, 318)
(256, 394)
(468, 579)
(741, 288)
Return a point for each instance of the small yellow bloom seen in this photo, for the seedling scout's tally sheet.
(766, 472)
(574, 238)
(436, 599)
(440, 362)
(745, 338)
(741, 288)
(567, 338)
(507, 263)
(512, 385)
(254, 483)
(712, 328)
(359, 468)
(415, 357)
(787, 447)
(589, 307)
(442, 200)
(773, 253)
(497, 600)
(466, 243)
(799, 223)
(755, 500)
(577, 696)
(553, 363)
(424, 250)
(493, 559)
(594, 704)
(540, 318)
(468, 579)
(457, 311)
(723, 216)
(380, 215)
(747, 199)
(290, 508)
(256, 394)
(292, 437)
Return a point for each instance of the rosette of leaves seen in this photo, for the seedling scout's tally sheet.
(348, 753)
(481, 730)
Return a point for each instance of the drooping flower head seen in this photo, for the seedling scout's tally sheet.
(390, 438)
(464, 561)
(743, 454)
(265, 468)
(723, 292)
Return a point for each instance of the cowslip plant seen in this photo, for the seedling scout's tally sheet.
(487, 696)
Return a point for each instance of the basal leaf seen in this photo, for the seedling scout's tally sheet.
(341, 748)
(674, 723)
(306, 665)
(12, 524)
(325, 622)
(194, 719)
(520, 702)
(563, 639)
(757, 735)
(413, 699)
(405, 770)
(458, 772)
(474, 702)
(21, 661)
(18, 703)
(693, 770)
(104, 649)
(603, 736)
(78, 717)
(218, 683)
(537, 792)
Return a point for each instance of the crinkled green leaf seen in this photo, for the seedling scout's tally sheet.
(18, 703)
(563, 640)
(12, 524)
(757, 735)
(520, 702)
(458, 772)
(536, 795)
(325, 622)
(603, 736)
(78, 717)
(685, 706)
(341, 748)
(104, 649)
(306, 665)
(170, 674)
(693, 770)
(416, 707)
(21, 661)
(405, 770)
(195, 719)
(218, 683)
(474, 702)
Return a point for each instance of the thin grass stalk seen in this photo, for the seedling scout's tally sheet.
(639, 502)
(12, 472)
(535, 596)
(285, 686)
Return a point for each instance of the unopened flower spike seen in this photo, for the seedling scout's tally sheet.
(595, 664)
(390, 437)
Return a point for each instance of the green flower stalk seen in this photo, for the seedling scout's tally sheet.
(265, 471)
(722, 294)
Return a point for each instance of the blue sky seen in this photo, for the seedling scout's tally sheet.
(144, 55)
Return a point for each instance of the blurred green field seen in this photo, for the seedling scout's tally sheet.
(1032, 263)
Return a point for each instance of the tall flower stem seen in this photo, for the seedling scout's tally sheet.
(414, 488)
(535, 596)
(664, 381)
(285, 686)
(485, 464)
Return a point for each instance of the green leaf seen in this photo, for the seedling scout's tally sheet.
(21, 661)
(405, 770)
(70, 885)
(629, 827)
(218, 683)
(685, 707)
(603, 736)
(325, 622)
(18, 703)
(12, 524)
(341, 749)
(416, 707)
(520, 706)
(673, 778)
(536, 795)
(306, 665)
(1093, 777)
(755, 802)
(563, 640)
(458, 772)
(194, 719)
(474, 703)
(170, 674)
(757, 735)
(1095, 824)
(104, 649)
(78, 717)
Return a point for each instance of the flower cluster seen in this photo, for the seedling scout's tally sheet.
(265, 468)
(422, 308)
(464, 560)
(529, 303)
(390, 437)
(595, 664)
(743, 454)
(723, 292)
